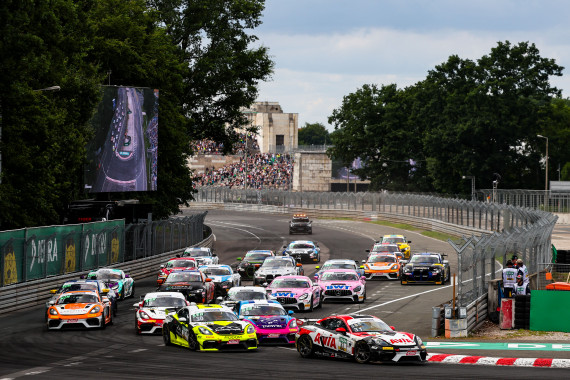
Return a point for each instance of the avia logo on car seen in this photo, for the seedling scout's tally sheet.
(283, 294)
(340, 287)
(327, 341)
(401, 340)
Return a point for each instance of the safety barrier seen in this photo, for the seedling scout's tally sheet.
(36, 292)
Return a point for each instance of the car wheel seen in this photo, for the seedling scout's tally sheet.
(310, 232)
(110, 317)
(311, 308)
(132, 291)
(305, 346)
(364, 298)
(362, 353)
(166, 336)
(192, 341)
(103, 324)
(137, 330)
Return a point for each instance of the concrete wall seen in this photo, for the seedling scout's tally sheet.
(200, 162)
(271, 122)
(312, 172)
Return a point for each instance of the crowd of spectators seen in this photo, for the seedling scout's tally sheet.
(248, 141)
(263, 171)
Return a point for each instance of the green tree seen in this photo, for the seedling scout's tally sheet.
(313, 134)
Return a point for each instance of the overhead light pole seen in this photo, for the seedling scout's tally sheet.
(472, 185)
(546, 174)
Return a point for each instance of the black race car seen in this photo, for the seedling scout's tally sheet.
(425, 267)
(300, 224)
(194, 284)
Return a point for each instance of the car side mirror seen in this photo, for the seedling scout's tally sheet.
(127, 276)
(51, 302)
(317, 267)
(367, 250)
(393, 328)
(265, 284)
(208, 279)
(363, 261)
(162, 266)
(53, 291)
(182, 319)
(137, 305)
(362, 278)
(409, 241)
(290, 312)
(213, 254)
(446, 261)
(238, 259)
(219, 300)
(299, 264)
(341, 330)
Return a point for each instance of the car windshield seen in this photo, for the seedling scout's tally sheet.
(424, 259)
(385, 248)
(289, 283)
(277, 264)
(393, 240)
(213, 315)
(368, 325)
(300, 246)
(183, 277)
(338, 266)
(246, 295)
(253, 309)
(382, 259)
(339, 276)
(181, 264)
(78, 286)
(197, 253)
(216, 271)
(67, 298)
(107, 275)
(251, 256)
(164, 302)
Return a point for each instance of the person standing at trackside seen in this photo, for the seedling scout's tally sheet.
(509, 279)
(521, 287)
(523, 270)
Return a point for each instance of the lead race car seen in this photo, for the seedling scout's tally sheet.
(363, 338)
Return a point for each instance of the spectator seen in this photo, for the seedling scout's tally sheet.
(522, 270)
(522, 287)
(509, 279)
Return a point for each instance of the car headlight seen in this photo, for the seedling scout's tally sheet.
(394, 266)
(205, 331)
(380, 342)
(293, 323)
(115, 287)
(357, 289)
(304, 297)
(95, 310)
(52, 311)
(144, 315)
(407, 269)
(250, 329)
(436, 270)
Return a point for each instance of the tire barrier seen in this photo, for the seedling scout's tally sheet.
(522, 312)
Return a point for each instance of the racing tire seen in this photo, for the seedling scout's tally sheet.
(103, 324)
(362, 353)
(132, 295)
(166, 336)
(122, 297)
(137, 331)
(193, 344)
(310, 232)
(305, 347)
(311, 308)
(363, 298)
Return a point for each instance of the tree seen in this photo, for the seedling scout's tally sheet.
(313, 134)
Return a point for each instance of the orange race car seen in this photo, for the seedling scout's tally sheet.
(82, 308)
(385, 265)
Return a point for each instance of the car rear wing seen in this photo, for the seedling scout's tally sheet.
(306, 321)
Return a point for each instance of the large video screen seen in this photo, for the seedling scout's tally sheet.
(122, 156)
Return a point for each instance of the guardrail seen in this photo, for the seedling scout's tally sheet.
(29, 294)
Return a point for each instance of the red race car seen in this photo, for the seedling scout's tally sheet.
(363, 338)
(177, 263)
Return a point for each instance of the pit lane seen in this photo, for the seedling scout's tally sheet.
(28, 350)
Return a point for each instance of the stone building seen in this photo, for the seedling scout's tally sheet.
(277, 131)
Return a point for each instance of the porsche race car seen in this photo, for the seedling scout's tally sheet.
(403, 244)
(176, 263)
(203, 255)
(151, 311)
(273, 324)
(363, 338)
(252, 261)
(275, 267)
(117, 280)
(208, 328)
(385, 266)
(80, 308)
(222, 276)
(242, 293)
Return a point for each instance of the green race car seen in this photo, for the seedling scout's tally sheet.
(208, 328)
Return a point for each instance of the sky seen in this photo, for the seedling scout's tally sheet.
(326, 49)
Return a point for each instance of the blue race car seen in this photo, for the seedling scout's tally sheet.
(223, 277)
(273, 324)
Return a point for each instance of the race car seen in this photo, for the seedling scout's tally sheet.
(151, 311)
(338, 264)
(303, 251)
(277, 266)
(117, 280)
(426, 267)
(208, 328)
(242, 293)
(382, 265)
(175, 263)
(94, 285)
(223, 277)
(386, 248)
(252, 261)
(403, 244)
(193, 284)
(82, 308)
(273, 324)
(203, 255)
(297, 292)
(342, 284)
(363, 338)
(300, 224)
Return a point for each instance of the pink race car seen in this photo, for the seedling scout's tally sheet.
(343, 284)
(296, 292)
(272, 323)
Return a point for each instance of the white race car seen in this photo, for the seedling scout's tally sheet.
(151, 311)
